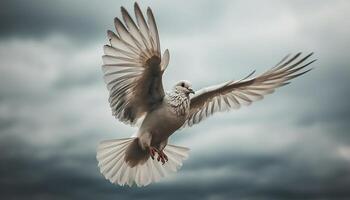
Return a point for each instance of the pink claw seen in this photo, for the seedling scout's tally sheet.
(161, 155)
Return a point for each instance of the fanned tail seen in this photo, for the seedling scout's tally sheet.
(112, 164)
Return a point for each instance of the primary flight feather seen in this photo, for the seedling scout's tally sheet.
(133, 67)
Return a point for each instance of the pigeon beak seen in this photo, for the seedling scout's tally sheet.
(190, 90)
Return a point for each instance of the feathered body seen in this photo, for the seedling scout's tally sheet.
(159, 124)
(133, 69)
(167, 118)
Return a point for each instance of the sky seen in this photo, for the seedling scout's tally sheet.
(294, 144)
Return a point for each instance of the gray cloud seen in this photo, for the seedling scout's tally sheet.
(53, 103)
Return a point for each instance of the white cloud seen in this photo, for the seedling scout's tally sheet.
(46, 115)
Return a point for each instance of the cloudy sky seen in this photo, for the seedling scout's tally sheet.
(295, 144)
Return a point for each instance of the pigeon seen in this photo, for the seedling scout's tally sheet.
(133, 67)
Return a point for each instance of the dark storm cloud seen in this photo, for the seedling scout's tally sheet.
(39, 18)
(294, 144)
(84, 20)
(279, 178)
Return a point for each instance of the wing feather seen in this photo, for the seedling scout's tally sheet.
(143, 28)
(133, 67)
(233, 94)
(153, 29)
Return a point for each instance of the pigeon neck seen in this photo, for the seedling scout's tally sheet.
(180, 92)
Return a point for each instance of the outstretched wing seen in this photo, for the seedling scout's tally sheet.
(233, 94)
(133, 67)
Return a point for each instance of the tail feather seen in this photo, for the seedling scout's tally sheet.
(112, 163)
(135, 155)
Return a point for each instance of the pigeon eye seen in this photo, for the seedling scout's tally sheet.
(182, 84)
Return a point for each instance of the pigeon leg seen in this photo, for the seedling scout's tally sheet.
(152, 152)
(162, 157)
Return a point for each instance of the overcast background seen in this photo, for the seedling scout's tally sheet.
(295, 144)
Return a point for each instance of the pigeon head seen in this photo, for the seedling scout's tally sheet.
(184, 86)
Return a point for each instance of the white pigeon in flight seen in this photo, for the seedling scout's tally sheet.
(133, 67)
